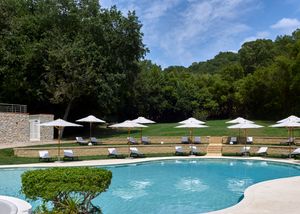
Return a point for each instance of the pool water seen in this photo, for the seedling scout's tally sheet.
(173, 186)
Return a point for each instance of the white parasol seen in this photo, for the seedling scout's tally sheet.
(59, 124)
(192, 120)
(191, 126)
(290, 125)
(245, 126)
(143, 120)
(91, 119)
(291, 118)
(128, 124)
(240, 120)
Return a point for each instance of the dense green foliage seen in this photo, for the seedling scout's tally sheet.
(72, 54)
(260, 81)
(66, 53)
(67, 188)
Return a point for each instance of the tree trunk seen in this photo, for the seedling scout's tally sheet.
(67, 111)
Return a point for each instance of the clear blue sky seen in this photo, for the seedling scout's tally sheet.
(180, 32)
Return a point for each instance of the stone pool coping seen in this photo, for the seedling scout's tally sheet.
(273, 196)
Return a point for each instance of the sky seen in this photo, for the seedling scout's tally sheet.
(180, 32)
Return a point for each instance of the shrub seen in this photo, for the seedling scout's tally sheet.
(67, 188)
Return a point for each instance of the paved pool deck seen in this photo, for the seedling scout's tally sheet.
(273, 196)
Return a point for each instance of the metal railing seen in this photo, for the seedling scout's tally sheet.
(15, 108)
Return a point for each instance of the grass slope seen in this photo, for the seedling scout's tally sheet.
(216, 128)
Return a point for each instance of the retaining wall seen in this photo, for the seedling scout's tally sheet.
(102, 150)
(14, 127)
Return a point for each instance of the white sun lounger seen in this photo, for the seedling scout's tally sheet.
(262, 151)
(68, 154)
(112, 152)
(194, 150)
(179, 150)
(233, 140)
(134, 152)
(249, 140)
(245, 150)
(295, 152)
(197, 140)
(44, 155)
(81, 142)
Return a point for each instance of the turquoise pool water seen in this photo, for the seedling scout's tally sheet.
(177, 186)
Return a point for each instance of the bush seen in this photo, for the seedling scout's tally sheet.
(67, 188)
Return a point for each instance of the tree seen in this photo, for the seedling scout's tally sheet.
(255, 54)
(67, 188)
(62, 50)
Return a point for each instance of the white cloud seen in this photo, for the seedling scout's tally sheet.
(286, 25)
(183, 31)
(213, 22)
(259, 35)
(159, 8)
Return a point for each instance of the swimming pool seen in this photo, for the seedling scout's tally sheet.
(173, 186)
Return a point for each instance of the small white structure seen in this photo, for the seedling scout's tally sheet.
(17, 126)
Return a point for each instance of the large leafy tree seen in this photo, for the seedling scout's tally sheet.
(61, 50)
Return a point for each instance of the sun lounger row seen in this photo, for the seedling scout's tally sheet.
(92, 140)
(68, 155)
(134, 152)
(186, 140)
(245, 150)
(193, 151)
(233, 140)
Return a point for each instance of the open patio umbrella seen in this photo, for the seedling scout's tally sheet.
(142, 120)
(59, 124)
(191, 120)
(290, 125)
(245, 126)
(191, 126)
(291, 118)
(240, 120)
(128, 124)
(90, 119)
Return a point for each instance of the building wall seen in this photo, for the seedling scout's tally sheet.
(14, 127)
(46, 132)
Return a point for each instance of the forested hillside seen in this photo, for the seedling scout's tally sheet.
(72, 58)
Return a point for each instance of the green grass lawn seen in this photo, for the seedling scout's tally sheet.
(216, 128)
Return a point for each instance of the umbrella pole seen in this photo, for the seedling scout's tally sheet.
(289, 141)
(128, 142)
(58, 151)
(191, 141)
(245, 132)
(141, 134)
(90, 130)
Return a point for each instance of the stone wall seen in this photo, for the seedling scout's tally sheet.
(14, 127)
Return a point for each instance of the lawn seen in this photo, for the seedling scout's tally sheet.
(216, 128)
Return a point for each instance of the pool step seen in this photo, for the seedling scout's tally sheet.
(214, 147)
(214, 150)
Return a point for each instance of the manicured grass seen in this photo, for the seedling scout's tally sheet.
(216, 128)
(7, 157)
